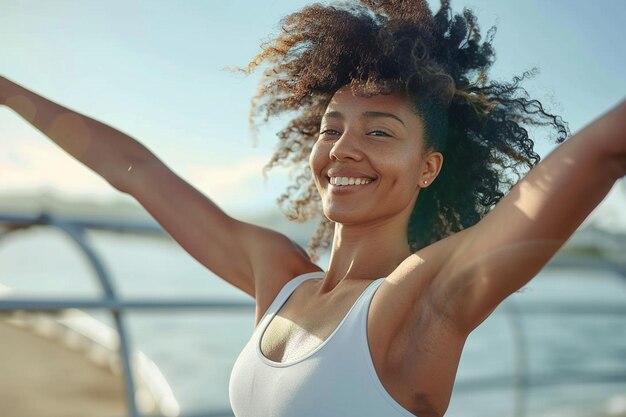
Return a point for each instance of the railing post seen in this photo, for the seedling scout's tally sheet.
(77, 234)
(520, 350)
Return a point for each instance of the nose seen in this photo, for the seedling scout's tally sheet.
(346, 147)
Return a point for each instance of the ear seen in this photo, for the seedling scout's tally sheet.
(431, 166)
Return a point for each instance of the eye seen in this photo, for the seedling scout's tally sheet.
(329, 132)
(379, 133)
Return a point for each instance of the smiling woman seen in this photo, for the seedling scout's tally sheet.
(409, 151)
(439, 63)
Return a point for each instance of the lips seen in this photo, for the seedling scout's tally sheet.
(349, 173)
(341, 181)
(346, 181)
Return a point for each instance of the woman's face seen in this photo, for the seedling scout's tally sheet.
(368, 162)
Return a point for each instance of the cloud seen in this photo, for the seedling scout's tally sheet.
(26, 164)
(240, 183)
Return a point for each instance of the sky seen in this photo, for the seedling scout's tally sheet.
(157, 71)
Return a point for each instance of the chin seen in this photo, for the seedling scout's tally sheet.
(342, 216)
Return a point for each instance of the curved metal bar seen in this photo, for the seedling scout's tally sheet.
(587, 262)
(23, 303)
(521, 358)
(15, 220)
(125, 356)
(469, 386)
(19, 303)
(13, 223)
(77, 234)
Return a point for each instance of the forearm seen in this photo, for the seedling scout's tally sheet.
(105, 150)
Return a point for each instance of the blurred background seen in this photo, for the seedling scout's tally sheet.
(158, 71)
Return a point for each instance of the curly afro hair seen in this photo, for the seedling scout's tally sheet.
(382, 47)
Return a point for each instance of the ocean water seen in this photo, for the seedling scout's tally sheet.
(570, 364)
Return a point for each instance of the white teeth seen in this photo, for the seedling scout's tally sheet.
(349, 181)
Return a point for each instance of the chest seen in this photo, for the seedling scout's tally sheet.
(304, 323)
(410, 362)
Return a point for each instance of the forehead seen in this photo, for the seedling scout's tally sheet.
(347, 102)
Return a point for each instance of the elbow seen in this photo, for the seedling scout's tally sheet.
(123, 175)
(129, 171)
(614, 157)
(126, 177)
(117, 182)
(608, 136)
(618, 167)
(117, 174)
(618, 150)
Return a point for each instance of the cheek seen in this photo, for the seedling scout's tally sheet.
(317, 159)
(397, 160)
(404, 169)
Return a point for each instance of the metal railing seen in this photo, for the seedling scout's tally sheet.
(75, 229)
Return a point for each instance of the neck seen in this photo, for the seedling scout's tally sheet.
(366, 252)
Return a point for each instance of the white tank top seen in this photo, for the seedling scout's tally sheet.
(335, 379)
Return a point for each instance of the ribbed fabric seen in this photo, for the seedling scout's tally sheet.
(335, 379)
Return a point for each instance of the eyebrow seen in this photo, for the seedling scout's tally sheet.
(367, 114)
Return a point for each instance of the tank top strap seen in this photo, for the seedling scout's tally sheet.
(356, 331)
(357, 320)
(365, 300)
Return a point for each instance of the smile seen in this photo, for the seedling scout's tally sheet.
(349, 181)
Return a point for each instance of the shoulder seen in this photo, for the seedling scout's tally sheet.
(284, 266)
(418, 272)
(406, 296)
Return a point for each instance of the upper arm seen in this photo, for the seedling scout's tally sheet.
(515, 240)
(232, 249)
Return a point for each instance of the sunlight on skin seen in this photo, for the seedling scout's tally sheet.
(300, 343)
(23, 105)
(471, 271)
(529, 202)
(533, 195)
(511, 262)
(510, 257)
(71, 132)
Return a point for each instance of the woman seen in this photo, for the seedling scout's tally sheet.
(408, 144)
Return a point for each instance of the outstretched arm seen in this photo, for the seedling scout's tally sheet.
(514, 241)
(236, 251)
(100, 147)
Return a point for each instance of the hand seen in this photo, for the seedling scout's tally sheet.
(2, 89)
